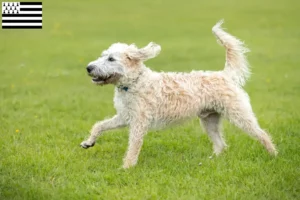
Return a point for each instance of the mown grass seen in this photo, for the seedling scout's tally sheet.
(47, 103)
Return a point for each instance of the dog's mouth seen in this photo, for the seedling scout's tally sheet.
(101, 80)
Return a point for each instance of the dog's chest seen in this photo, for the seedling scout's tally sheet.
(124, 102)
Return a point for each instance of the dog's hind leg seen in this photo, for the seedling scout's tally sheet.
(240, 114)
(100, 127)
(211, 123)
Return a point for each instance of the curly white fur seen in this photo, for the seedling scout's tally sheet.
(236, 65)
(145, 99)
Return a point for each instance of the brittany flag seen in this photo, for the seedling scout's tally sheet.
(21, 15)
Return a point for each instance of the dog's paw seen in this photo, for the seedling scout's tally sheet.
(87, 144)
(129, 163)
(127, 166)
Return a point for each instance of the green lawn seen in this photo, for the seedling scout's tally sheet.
(48, 103)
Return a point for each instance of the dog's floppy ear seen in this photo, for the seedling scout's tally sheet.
(145, 53)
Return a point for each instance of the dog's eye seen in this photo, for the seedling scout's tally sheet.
(111, 59)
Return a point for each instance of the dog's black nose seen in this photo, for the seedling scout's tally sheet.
(90, 68)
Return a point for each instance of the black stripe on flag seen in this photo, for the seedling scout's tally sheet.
(21, 15)
(30, 3)
(30, 9)
(21, 27)
(22, 21)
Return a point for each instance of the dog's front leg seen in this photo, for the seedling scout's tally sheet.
(137, 132)
(100, 127)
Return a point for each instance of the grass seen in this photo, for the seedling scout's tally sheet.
(48, 105)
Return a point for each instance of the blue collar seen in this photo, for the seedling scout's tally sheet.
(122, 87)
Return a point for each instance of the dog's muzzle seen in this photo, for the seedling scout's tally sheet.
(101, 79)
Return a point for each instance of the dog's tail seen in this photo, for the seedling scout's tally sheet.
(236, 65)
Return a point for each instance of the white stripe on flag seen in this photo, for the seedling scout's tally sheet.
(30, 12)
(21, 18)
(21, 24)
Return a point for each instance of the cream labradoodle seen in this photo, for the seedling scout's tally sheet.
(145, 99)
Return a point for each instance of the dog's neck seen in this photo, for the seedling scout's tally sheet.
(123, 88)
(128, 82)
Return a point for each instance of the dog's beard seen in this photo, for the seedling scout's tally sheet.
(108, 79)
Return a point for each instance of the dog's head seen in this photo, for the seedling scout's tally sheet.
(120, 61)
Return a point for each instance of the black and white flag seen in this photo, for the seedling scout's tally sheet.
(21, 15)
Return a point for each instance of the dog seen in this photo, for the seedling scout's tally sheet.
(145, 99)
